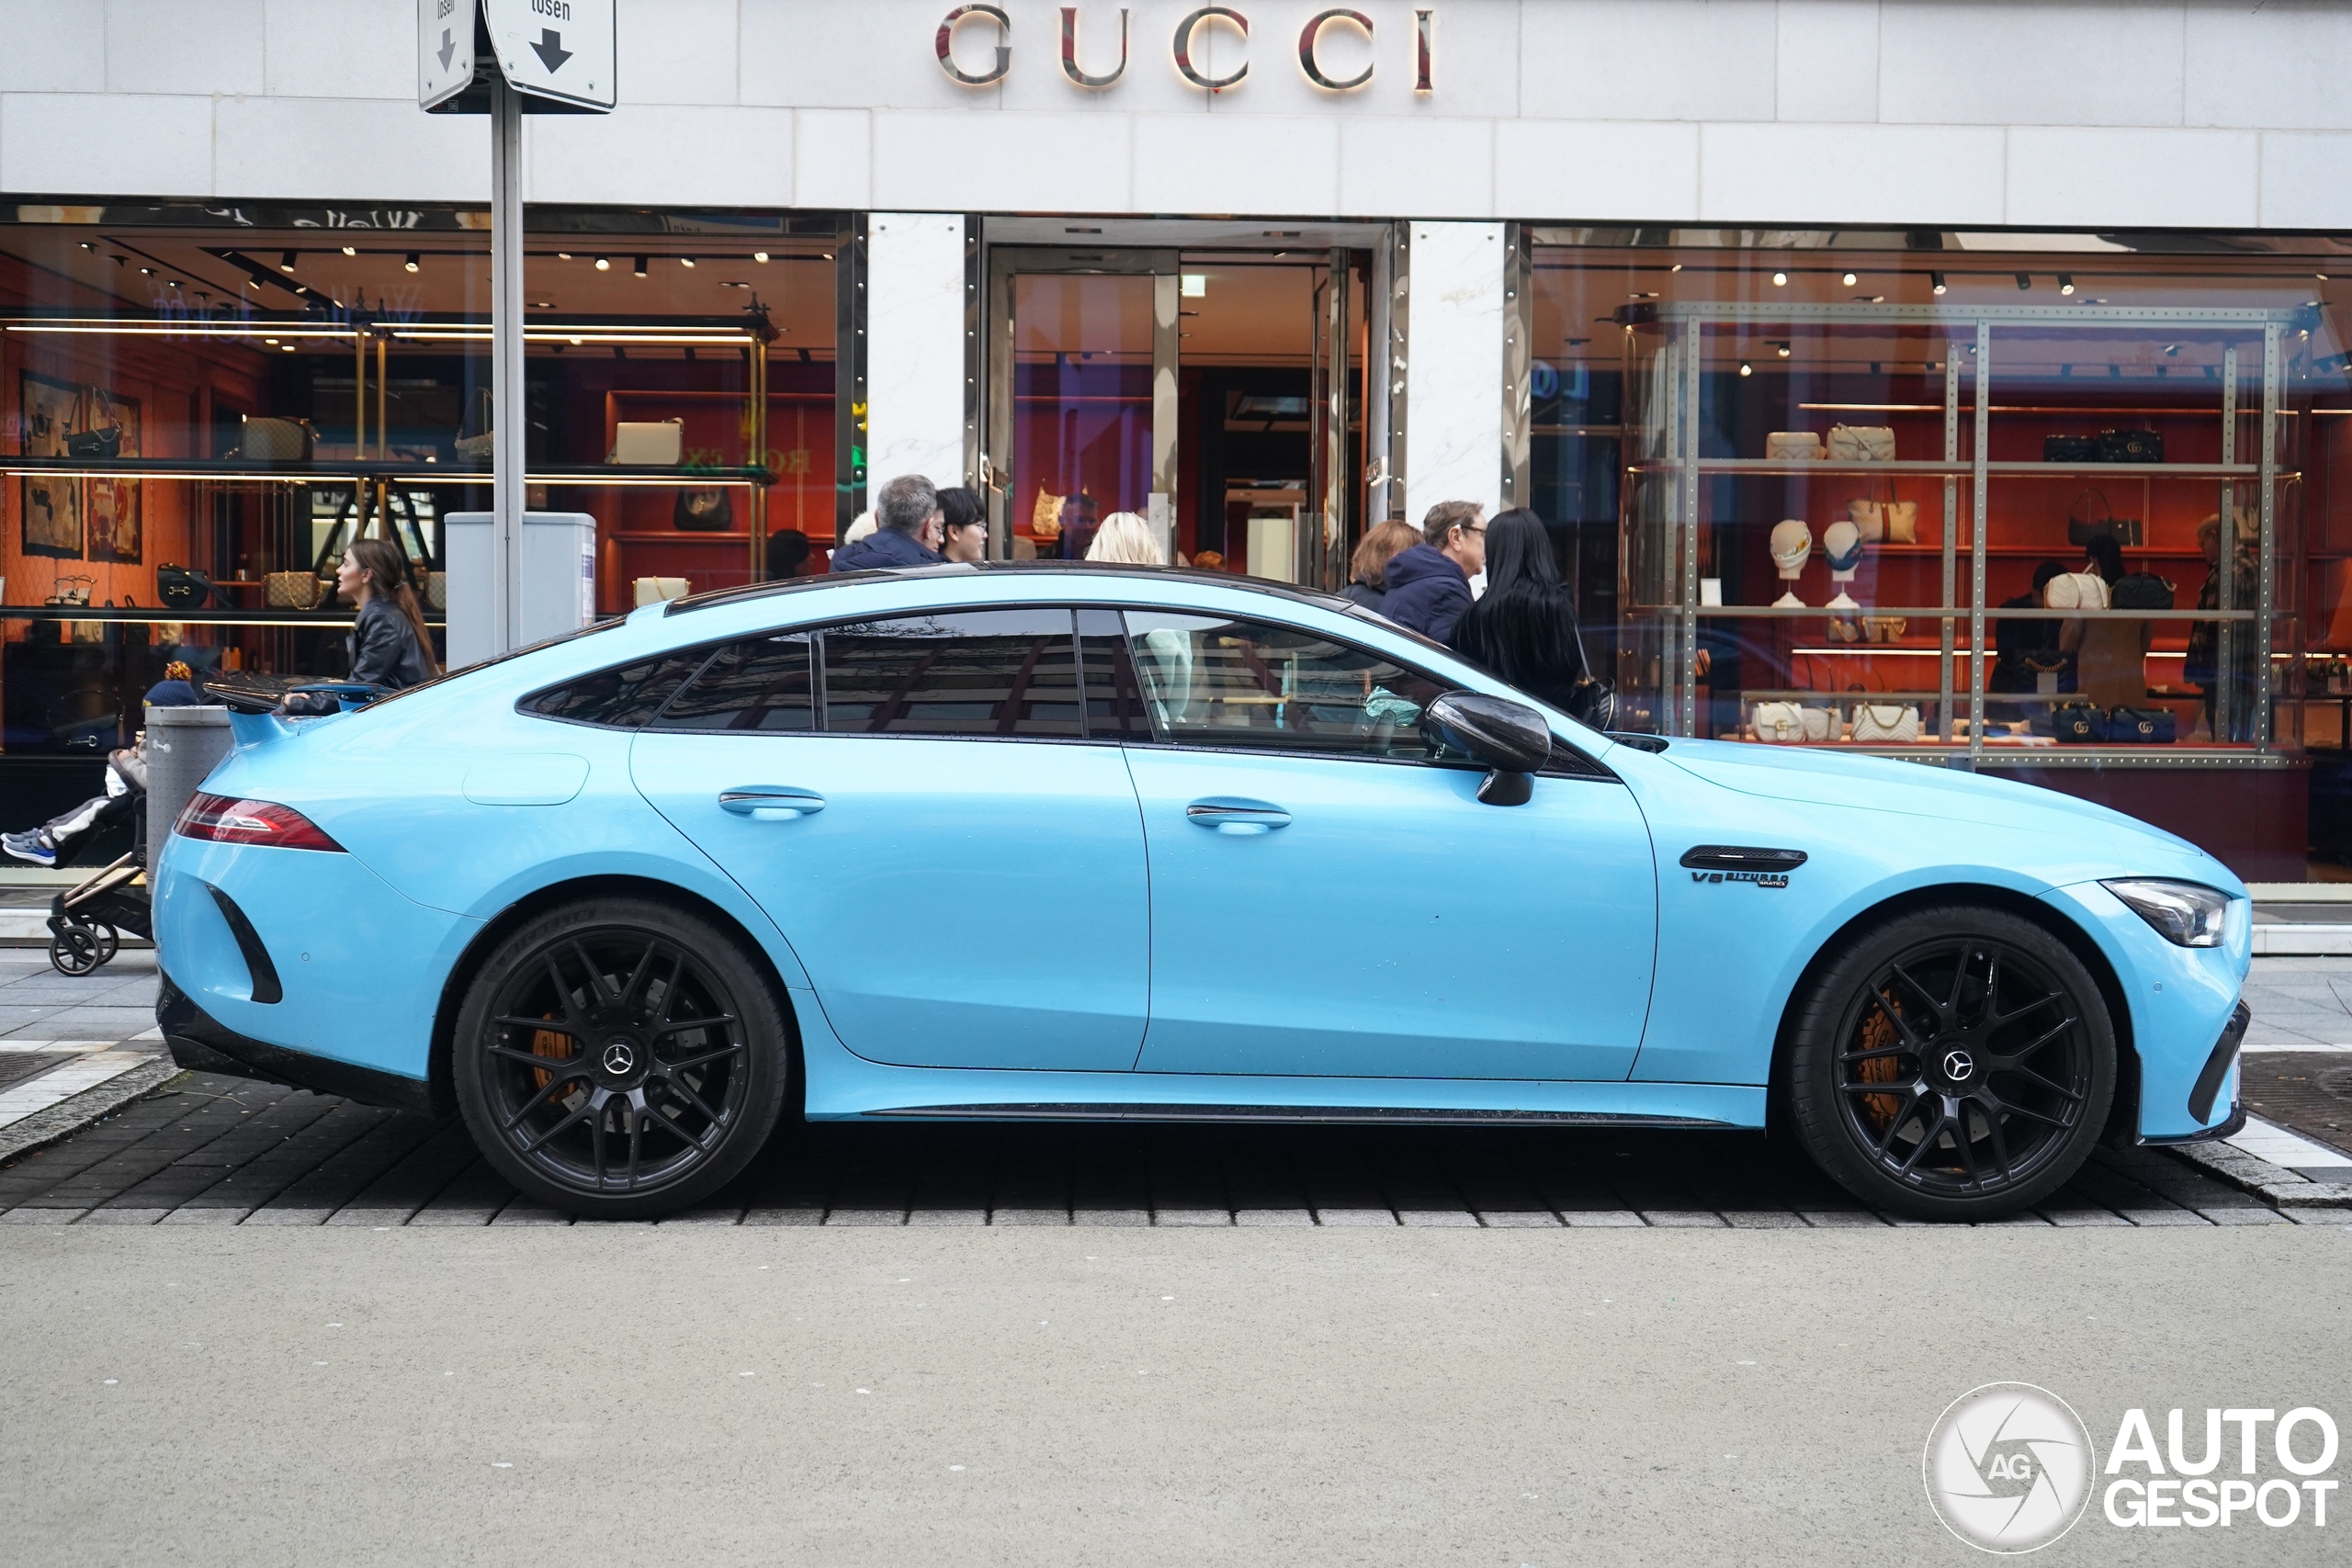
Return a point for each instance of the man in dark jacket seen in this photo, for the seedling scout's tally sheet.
(907, 524)
(1429, 584)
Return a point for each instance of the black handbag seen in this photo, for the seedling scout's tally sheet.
(2145, 726)
(704, 511)
(2070, 448)
(2140, 591)
(182, 587)
(2085, 523)
(2074, 724)
(2131, 446)
(107, 443)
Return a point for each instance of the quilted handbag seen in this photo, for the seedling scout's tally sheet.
(2070, 448)
(1791, 723)
(2131, 446)
(2140, 591)
(1793, 446)
(2076, 722)
(2145, 726)
(1883, 724)
(1862, 443)
(274, 440)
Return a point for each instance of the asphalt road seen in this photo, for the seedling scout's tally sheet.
(844, 1394)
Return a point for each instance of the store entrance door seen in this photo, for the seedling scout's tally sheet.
(1082, 396)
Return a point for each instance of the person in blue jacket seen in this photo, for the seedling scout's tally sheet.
(906, 527)
(1429, 585)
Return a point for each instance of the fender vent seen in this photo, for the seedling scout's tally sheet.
(1740, 857)
(266, 987)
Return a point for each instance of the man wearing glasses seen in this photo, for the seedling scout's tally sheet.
(1429, 584)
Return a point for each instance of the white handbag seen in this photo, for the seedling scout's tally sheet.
(1791, 723)
(1793, 446)
(1886, 724)
(2075, 590)
(659, 444)
(1862, 443)
(1892, 522)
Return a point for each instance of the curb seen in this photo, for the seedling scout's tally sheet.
(68, 1117)
(2273, 1184)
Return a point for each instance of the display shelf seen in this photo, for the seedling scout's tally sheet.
(1771, 468)
(398, 470)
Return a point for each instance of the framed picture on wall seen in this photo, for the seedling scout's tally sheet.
(51, 502)
(110, 519)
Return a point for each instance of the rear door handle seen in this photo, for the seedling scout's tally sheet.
(771, 803)
(1227, 815)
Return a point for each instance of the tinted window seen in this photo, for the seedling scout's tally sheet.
(1211, 680)
(1004, 672)
(761, 684)
(1115, 705)
(622, 698)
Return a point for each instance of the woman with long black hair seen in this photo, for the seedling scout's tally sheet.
(1524, 627)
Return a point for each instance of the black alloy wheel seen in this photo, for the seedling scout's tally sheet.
(621, 1058)
(1956, 1063)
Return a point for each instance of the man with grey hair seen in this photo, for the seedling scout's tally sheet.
(906, 524)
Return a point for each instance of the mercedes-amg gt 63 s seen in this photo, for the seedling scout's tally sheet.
(1021, 843)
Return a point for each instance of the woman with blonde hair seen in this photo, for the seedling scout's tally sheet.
(1125, 539)
(1367, 584)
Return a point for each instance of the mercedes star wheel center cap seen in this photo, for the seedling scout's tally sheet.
(620, 1058)
(1958, 1065)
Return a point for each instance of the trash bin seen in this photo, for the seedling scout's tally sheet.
(184, 744)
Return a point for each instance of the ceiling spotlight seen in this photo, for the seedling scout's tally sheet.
(286, 261)
(603, 263)
(759, 255)
(2171, 349)
(1850, 281)
(2321, 275)
(253, 283)
(146, 272)
(1780, 280)
(2065, 284)
(410, 264)
(685, 261)
(1676, 267)
(640, 266)
(1937, 279)
(271, 341)
(1745, 368)
(285, 348)
(1782, 349)
(87, 246)
(563, 255)
(2025, 280)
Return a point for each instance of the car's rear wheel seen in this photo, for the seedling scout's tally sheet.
(1955, 1063)
(620, 1058)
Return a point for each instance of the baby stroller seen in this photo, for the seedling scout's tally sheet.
(86, 922)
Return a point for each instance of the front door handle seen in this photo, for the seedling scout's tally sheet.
(1227, 815)
(771, 803)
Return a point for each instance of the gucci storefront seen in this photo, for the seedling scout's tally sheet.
(1941, 459)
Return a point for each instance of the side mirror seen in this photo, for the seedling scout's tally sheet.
(1510, 738)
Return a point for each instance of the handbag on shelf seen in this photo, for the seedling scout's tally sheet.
(1886, 724)
(275, 440)
(1884, 628)
(1889, 522)
(706, 511)
(1862, 443)
(183, 588)
(2089, 516)
(107, 443)
(2145, 726)
(2140, 591)
(291, 590)
(2075, 723)
(2070, 448)
(658, 443)
(1793, 446)
(437, 590)
(1791, 723)
(2131, 446)
(478, 446)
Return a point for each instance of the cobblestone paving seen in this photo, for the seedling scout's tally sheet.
(210, 1150)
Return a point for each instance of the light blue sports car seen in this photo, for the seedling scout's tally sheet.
(1022, 842)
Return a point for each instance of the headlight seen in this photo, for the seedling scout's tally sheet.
(2183, 913)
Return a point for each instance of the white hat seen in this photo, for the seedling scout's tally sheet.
(1791, 543)
(1841, 543)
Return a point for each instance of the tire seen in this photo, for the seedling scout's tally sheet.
(1955, 1063)
(621, 1058)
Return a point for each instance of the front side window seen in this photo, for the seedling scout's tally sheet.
(965, 673)
(1216, 681)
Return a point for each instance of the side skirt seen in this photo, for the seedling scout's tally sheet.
(1357, 1114)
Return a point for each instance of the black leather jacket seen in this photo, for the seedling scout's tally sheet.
(384, 651)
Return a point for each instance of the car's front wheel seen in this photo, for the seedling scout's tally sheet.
(1955, 1063)
(620, 1058)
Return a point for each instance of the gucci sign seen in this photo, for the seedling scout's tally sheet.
(1181, 48)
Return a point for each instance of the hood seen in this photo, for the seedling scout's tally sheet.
(1419, 563)
(1885, 783)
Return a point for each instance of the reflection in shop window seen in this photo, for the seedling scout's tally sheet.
(1210, 680)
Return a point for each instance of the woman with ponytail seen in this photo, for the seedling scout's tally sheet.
(390, 645)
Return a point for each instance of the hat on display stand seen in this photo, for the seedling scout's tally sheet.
(1841, 546)
(1792, 544)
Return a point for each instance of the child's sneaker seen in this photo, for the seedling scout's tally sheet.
(29, 847)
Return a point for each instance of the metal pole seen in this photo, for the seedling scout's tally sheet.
(509, 403)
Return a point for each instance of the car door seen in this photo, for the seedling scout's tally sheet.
(1326, 898)
(915, 802)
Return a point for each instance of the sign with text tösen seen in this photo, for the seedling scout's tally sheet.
(445, 50)
(555, 48)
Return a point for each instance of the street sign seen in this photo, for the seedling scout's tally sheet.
(554, 49)
(445, 50)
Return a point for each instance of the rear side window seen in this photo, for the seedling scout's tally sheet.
(765, 683)
(970, 672)
(621, 698)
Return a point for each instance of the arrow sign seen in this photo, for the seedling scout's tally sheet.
(445, 50)
(555, 48)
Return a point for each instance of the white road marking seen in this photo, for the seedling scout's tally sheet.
(62, 1083)
(2266, 1140)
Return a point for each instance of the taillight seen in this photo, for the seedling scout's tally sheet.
(227, 821)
